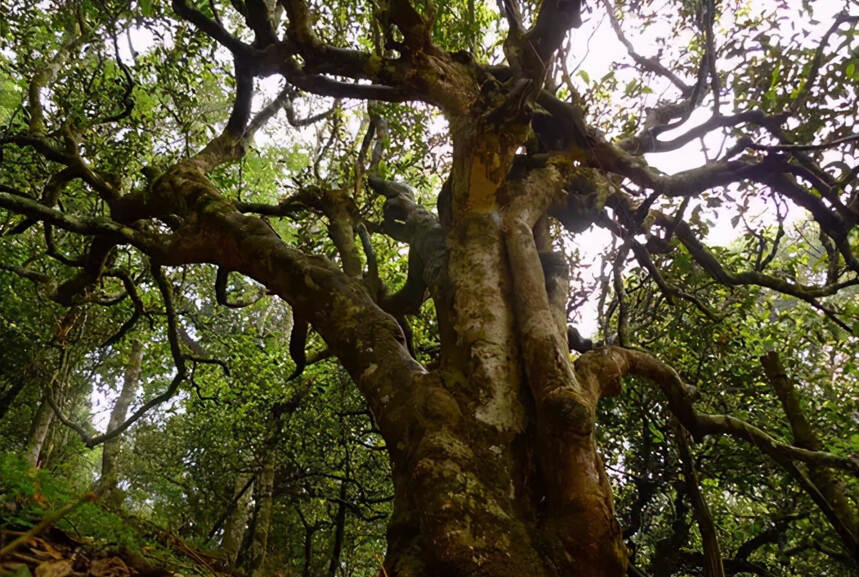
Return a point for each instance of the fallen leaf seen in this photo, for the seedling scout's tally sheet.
(54, 568)
(109, 567)
(49, 549)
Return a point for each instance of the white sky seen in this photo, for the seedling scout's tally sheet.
(604, 50)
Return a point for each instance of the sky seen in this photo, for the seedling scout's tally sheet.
(602, 50)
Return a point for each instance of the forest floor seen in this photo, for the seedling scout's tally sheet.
(57, 553)
(51, 527)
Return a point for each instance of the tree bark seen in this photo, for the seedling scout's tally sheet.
(258, 546)
(234, 528)
(39, 428)
(843, 513)
(110, 450)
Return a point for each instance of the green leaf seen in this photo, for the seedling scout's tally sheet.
(146, 8)
(657, 434)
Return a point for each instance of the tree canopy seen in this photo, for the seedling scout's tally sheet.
(413, 288)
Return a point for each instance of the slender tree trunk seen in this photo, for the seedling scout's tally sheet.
(44, 416)
(713, 564)
(339, 530)
(234, 528)
(308, 550)
(110, 451)
(263, 490)
(39, 428)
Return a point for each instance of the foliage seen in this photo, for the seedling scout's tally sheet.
(27, 495)
(316, 335)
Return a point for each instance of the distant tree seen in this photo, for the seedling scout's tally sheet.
(128, 158)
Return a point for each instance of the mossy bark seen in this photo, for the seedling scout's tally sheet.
(501, 474)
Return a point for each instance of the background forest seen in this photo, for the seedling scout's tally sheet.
(237, 442)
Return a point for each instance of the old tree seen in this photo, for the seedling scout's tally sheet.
(422, 179)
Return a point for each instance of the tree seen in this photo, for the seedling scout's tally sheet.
(136, 163)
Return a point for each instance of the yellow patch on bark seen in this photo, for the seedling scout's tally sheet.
(481, 185)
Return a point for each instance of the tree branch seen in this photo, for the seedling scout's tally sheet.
(178, 360)
(82, 225)
(713, 566)
(611, 363)
(831, 488)
(211, 28)
(221, 291)
(648, 64)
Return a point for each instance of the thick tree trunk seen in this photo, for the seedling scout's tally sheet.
(468, 503)
(110, 450)
(502, 476)
(495, 467)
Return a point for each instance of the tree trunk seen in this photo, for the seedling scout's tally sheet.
(472, 499)
(339, 530)
(501, 476)
(258, 547)
(110, 450)
(234, 529)
(308, 550)
(44, 416)
(495, 466)
(39, 428)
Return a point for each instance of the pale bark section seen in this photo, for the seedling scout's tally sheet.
(262, 519)
(111, 448)
(484, 324)
(234, 529)
(39, 432)
(482, 319)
